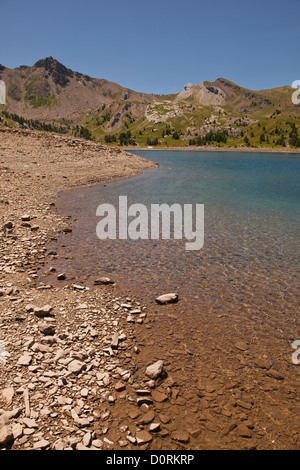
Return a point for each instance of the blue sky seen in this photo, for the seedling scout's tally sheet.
(158, 46)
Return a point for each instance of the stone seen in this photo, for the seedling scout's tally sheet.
(164, 418)
(244, 405)
(119, 386)
(262, 363)
(131, 439)
(243, 431)
(17, 430)
(135, 311)
(159, 397)
(25, 218)
(154, 370)
(30, 423)
(6, 434)
(75, 367)
(42, 311)
(97, 443)
(115, 341)
(180, 436)
(133, 413)
(61, 277)
(143, 437)
(167, 298)
(274, 374)
(8, 394)
(230, 427)
(147, 417)
(42, 444)
(25, 360)
(241, 346)
(87, 438)
(46, 329)
(154, 427)
(103, 281)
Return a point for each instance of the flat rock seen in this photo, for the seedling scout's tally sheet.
(42, 311)
(142, 437)
(147, 417)
(76, 367)
(167, 298)
(180, 436)
(7, 394)
(42, 444)
(159, 397)
(25, 360)
(103, 281)
(262, 363)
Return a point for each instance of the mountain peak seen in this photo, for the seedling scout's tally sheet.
(57, 70)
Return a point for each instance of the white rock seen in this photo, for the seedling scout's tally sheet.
(25, 360)
(76, 367)
(155, 369)
(7, 394)
(42, 444)
(167, 298)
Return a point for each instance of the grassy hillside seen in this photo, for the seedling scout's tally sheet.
(48, 96)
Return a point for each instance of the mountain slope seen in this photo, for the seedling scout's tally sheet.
(219, 112)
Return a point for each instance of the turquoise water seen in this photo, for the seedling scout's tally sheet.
(248, 269)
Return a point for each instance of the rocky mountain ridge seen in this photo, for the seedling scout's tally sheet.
(50, 92)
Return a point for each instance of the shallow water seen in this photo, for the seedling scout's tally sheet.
(238, 296)
(244, 279)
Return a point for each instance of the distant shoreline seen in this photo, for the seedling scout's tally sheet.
(219, 149)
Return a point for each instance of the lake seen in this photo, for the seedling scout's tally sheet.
(242, 287)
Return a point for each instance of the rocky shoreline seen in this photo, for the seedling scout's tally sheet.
(68, 353)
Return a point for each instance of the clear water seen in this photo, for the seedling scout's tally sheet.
(247, 273)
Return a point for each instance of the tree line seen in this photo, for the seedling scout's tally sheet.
(36, 123)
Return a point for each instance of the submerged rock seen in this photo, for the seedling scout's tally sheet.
(103, 281)
(167, 298)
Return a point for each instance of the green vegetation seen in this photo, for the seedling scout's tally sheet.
(41, 101)
(125, 138)
(210, 137)
(246, 118)
(35, 124)
(83, 132)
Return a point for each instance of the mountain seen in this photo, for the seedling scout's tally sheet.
(51, 96)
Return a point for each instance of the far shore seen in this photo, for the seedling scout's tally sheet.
(220, 149)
